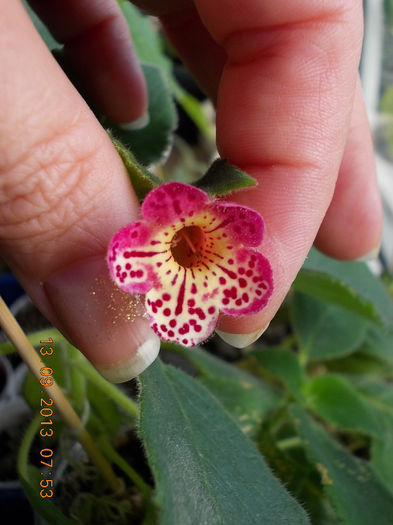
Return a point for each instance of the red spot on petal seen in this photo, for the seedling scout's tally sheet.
(171, 333)
(166, 297)
(200, 313)
(159, 303)
(211, 309)
(167, 312)
(163, 328)
(172, 323)
(242, 282)
(193, 288)
(222, 280)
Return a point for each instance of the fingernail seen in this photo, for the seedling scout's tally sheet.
(370, 256)
(241, 340)
(105, 323)
(139, 123)
(126, 370)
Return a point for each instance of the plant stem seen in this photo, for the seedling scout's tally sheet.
(26, 445)
(111, 390)
(288, 443)
(29, 355)
(115, 457)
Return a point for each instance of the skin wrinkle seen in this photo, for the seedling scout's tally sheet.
(52, 213)
(12, 165)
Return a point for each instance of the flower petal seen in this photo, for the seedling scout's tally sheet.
(183, 311)
(172, 202)
(247, 282)
(132, 257)
(241, 223)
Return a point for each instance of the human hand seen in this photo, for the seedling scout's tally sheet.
(286, 100)
(290, 113)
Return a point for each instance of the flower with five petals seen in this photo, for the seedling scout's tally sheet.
(192, 257)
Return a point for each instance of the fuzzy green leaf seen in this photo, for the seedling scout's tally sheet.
(336, 400)
(222, 178)
(285, 365)
(148, 47)
(246, 397)
(325, 330)
(350, 285)
(142, 180)
(350, 483)
(379, 343)
(206, 469)
(151, 143)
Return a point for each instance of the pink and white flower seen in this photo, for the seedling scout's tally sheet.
(193, 257)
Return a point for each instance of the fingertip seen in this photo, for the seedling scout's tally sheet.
(122, 371)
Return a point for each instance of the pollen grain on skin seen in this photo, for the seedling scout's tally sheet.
(192, 257)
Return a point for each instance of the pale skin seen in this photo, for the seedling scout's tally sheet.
(283, 76)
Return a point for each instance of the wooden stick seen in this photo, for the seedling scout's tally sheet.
(27, 352)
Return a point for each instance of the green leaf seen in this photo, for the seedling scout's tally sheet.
(381, 460)
(142, 180)
(206, 469)
(247, 398)
(325, 330)
(148, 48)
(350, 483)
(350, 285)
(244, 401)
(222, 178)
(336, 400)
(145, 37)
(378, 389)
(151, 143)
(379, 343)
(285, 365)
